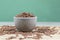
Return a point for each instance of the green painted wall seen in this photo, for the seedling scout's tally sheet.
(46, 10)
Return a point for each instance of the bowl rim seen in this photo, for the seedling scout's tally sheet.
(25, 17)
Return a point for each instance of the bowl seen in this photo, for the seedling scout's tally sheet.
(25, 23)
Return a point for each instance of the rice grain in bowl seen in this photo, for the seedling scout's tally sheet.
(24, 23)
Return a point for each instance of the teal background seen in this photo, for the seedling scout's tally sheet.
(45, 10)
